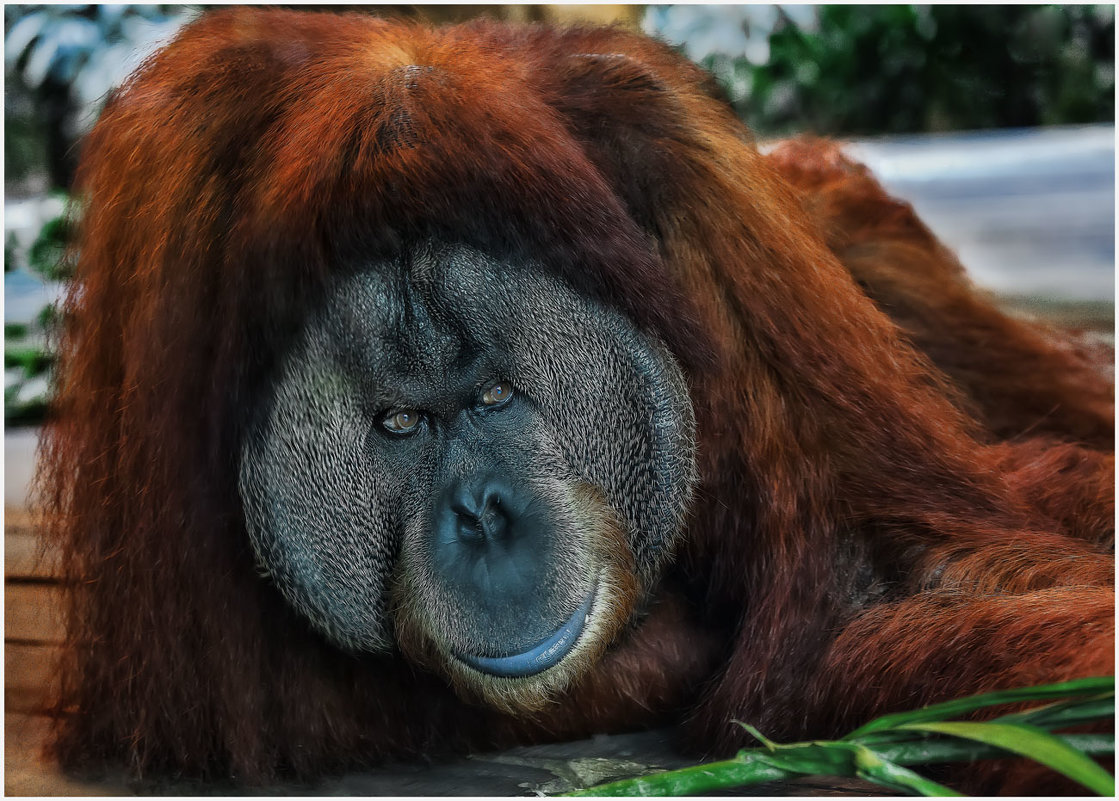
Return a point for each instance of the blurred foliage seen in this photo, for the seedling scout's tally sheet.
(28, 367)
(24, 138)
(61, 62)
(10, 245)
(28, 352)
(900, 69)
(46, 256)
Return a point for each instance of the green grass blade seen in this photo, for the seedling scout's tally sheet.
(756, 766)
(812, 759)
(925, 750)
(885, 745)
(1061, 714)
(743, 770)
(963, 706)
(872, 767)
(1065, 713)
(1029, 742)
(757, 735)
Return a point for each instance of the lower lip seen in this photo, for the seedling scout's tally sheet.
(540, 657)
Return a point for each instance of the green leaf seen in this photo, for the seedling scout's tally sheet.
(963, 706)
(744, 769)
(1058, 715)
(32, 359)
(757, 735)
(1065, 713)
(925, 749)
(889, 743)
(47, 253)
(1029, 742)
(872, 767)
(825, 759)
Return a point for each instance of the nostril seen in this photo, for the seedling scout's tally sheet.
(480, 515)
(494, 522)
(469, 529)
(465, 511)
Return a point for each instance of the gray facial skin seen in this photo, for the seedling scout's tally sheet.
(485, 529)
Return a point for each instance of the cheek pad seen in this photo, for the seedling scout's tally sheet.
(311, 495)
(618, 405)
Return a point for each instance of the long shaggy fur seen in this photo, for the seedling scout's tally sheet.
(903, 494)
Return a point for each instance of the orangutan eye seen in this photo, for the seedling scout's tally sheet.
(402, 421)
(497, 394)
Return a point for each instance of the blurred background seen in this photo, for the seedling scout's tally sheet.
(995, 121)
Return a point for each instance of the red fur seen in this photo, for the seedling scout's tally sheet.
(874, 530)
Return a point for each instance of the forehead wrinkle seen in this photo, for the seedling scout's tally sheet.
(391, 331)
(427, 342)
